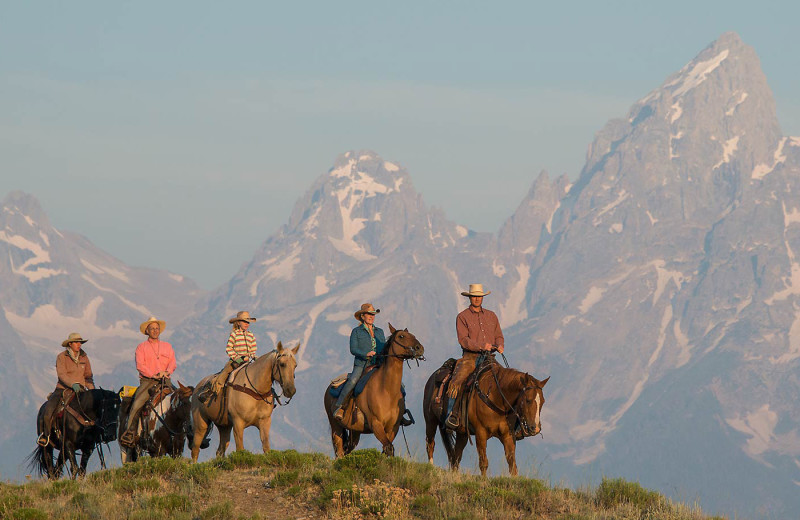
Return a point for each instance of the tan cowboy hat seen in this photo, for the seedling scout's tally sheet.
(476, 289)
(73, 336)
(152, 319)
(366, 308)
(242, 316)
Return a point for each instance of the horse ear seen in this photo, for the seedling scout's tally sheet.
(296, 349)
(279, 347)
(180, 385)
(542, 383)
(392, 329)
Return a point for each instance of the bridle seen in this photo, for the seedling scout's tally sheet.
(520, 400)
(409, 352)
(279, 379)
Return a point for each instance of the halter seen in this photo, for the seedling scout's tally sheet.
(511, 408)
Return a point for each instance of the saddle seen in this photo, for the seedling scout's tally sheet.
(442, 382)
(337, 383)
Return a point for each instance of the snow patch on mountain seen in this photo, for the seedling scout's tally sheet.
(697, 75)
(732, 109)
(759, 425)
(514, 309)
(727, 151)
(139, 308)
(320, 285)
(116, 273)
(761, 170)
(40, 256)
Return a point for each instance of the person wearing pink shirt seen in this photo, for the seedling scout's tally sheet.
(155, 361)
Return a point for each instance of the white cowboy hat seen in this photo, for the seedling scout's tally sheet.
(74, 336)
(476, 289)
(366, 308)
(242, 316)
(152, 319)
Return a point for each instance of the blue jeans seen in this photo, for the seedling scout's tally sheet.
(350, 385)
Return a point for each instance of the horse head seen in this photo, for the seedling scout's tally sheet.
(405, 345)
(283, 368)
(181, 406)
(529, 406)
(105, 405)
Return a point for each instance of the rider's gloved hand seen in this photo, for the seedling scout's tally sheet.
(76, 387)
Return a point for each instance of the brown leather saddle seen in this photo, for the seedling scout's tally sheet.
(443, 379)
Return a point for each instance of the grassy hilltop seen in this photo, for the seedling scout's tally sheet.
(290, 485)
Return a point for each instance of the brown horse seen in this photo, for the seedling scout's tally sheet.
(250, 400)
(166, 428)
(503, 403)
(379, 407)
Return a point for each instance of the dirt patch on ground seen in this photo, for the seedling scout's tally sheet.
(250, 492)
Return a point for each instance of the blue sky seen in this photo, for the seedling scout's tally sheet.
(179, 135)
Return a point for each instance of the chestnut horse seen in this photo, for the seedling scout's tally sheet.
(380, 405)
(502, 403)
(250, 400)
(167, 427)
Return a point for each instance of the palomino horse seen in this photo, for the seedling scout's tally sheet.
(250, 400)
(502, 403)
(165, 429)
(380, 405)
(91, 421)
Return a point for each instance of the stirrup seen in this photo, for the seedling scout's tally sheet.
(452, 421)
(339, 414)
(407, 421)
(128, 439)
(43, 440)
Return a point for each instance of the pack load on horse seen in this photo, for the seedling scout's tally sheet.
(246, 399)
(164, 422)
(241, 348)
(378, 406)
(155, 362)
(497, 402)
(86, 420)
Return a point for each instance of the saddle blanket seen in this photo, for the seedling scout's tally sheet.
(336, 385)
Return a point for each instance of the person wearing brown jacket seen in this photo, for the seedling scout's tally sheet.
(74, 371)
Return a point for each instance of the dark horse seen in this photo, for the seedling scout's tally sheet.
(98, 410)
(502, 403)
(379, 407)
(165, 429)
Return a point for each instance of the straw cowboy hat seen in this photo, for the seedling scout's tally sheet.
(476, 289)
(74, 336)
(366, 308)
(242, 316)
(152, 319)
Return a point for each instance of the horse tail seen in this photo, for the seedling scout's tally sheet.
(448, 441)
(36, 461)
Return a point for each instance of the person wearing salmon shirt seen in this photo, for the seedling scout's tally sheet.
(155, 361)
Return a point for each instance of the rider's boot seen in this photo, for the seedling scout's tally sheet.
(452, 420)
(341, 404)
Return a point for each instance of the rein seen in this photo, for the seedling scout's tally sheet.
(253, 392)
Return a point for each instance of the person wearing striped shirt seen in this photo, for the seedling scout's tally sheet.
(241, 349)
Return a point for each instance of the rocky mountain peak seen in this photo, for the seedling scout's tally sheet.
(21, 210)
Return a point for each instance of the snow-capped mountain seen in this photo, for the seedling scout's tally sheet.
(658, 291)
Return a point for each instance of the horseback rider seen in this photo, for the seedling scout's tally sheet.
(478, 332)
(74, 371)
(155, 361)
(241, 349)
(366, 340)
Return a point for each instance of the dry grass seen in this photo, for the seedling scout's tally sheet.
(288, 484)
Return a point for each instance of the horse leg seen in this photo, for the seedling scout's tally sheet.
(224, 439)
(480, 443)
(238, 433)
(85, 454)
(352, 443)
(263, 431)
(200, 429)
(510, 447)
(430, 436)
(377, 429)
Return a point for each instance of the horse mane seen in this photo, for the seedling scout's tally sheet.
(511, 378)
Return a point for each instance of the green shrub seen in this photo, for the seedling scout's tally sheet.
(425, 506)
(135, 485)
(369, 464)
(293, 459)
(171, 502)
(285, 478)
(58, 488)
(29, 513)
(222, 511)
(612, 492)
